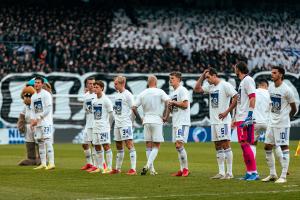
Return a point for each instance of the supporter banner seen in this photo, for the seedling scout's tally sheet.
(11, 136)
(68, 91)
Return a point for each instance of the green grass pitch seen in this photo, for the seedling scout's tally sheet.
(68, 182)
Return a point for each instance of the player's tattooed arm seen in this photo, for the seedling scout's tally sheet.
(293, 109)
(111, 118)
(137, 115)
(198, 87)
(230, 108)
(168, 109)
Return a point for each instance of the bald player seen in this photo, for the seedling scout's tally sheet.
(153, 101)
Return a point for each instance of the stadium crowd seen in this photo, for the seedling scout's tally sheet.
(80, 40)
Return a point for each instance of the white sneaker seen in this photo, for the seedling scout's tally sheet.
(270, 178)
(281, 180)
(218, 176)
(227, 176)
(153, 172)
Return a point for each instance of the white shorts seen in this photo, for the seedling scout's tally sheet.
(29, 135)
(180, 133)
(153, 133)
(43, 132)
(220, 132)
(123, 133)
(277, 136)
(101, 138)
(260, 131)
(87, 135)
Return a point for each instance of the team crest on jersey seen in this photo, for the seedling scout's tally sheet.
(97, 111)
(214, 99)
(38, 105)
(88, 104)
(118, 107)
(276, 103)
(175, 108)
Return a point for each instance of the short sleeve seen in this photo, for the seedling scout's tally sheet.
(230, 91)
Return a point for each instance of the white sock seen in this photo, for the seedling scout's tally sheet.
(103, 161)
(42, 152)
(152, 157)
(99, 159)
(271, 162)
(148, 152)
(88, 157)
(285, 162)
(94, 156)
(109, 157)
(253, 148)
(50, 151)
(278, 153)
(119, 159)
(132, 154)
(229, 159)
(182, 156)
(221, 160)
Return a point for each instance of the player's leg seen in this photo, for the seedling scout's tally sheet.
(109, 157)
(282, 136)
(87, 151)
(120, 151)
(42, 147)
(181, 135)
(48, 135)
(132, 154)
(220, 156)
(269, 144)
(228, 158)
(148, 142)
(99, 155)
(248, 152)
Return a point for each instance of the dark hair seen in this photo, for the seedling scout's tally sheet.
(263, 80)
(39, 78)
(89, 79)
(212, 71)
(280, 70)
(100, 83)
(242, 67)
(177, 74)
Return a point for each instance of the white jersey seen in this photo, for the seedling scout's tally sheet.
(101, 108)
(246, 88)
(281, 97)
(27, 113)
(261, 112)
(41, 104)
(87, 106)
(123, 109)
(153, 103)
(219, 97)
(181, 116)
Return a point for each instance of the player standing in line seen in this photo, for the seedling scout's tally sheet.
(244, 120)
(103, 118)
(181, 121)
(153, 101)
(123, 132)
(220, 94)
(261, 112)
(88, 147)
(42, 119)
(278, 132)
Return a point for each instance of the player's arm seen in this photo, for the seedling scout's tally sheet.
(198, 87)
(136, 113)
(230, 108)
(33, 121)
(293, 109)
(48, 107)
(180, 104)
(167, 111)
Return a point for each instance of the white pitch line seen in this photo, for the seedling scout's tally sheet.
(191, 195)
